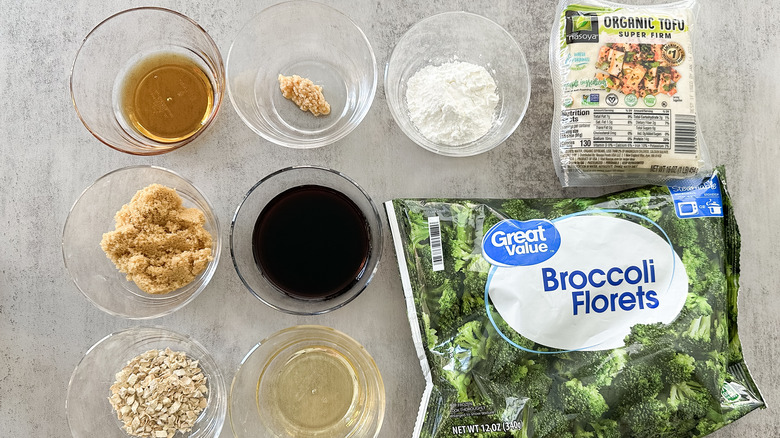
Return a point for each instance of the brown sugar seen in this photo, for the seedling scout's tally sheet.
(157, 242)
(304, 93)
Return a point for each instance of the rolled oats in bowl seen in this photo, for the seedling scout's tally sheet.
(146, 382)
(158, 393)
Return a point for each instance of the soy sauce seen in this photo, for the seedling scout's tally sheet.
(311, 242)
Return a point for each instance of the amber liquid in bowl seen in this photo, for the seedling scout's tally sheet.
(166, 97)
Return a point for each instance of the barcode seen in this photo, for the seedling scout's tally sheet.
(437, 253)
(685, 134)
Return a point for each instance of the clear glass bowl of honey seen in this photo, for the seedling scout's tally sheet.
(307, 381)
(147, 81)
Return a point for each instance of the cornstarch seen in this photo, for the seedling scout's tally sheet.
(453, 103)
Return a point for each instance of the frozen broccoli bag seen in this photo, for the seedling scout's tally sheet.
(596, 317)
(624, 93)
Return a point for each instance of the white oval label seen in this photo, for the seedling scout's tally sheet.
(608, 275)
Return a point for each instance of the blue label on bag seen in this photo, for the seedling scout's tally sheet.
(520, 243)
(703, 200)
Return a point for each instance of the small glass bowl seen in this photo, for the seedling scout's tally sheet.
(255, 202)
(280, 383)
(313, 41)
(465, 37)
(93, 272)
(110, 51)
(87, 407)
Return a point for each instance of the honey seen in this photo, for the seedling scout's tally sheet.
(166, 97)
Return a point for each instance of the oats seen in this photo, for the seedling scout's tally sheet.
(158, 393)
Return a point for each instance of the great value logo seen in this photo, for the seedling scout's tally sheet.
(520, 243)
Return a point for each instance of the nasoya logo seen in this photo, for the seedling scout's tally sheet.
(581, 27)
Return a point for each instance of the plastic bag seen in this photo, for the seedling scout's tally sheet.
(624, 93)
(593, 317)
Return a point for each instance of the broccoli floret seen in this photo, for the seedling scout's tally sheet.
(443, 306)
(470, 343)
(639, 381)
(647, 338)
(610, 365)
(550, 423)
(530, 379)
(699, 329)
(463, 222)
(690, 400)
(586, 402)
(469, 347)
(684, 233)
(418, 227)
(580, 432)
(502, 353)
(706, 275)
(519, 209)
(429, 334)
(460, 253)
(697, 305)
(605, 428)
(678, 368)
(460, 381)
(711, 372)
(592, 367)
(641, 201)
(428, 277)
(648, 418)
(473, 299)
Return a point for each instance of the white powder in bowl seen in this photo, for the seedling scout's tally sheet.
(453, 103)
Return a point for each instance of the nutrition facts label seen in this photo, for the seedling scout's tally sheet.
(625, 128)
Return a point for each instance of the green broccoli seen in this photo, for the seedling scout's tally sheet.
(519, 209)
(586, 402)
(418, 227)
(550, 423)
(647, 418)
(665, 381)
(605, 428)
(591, 367)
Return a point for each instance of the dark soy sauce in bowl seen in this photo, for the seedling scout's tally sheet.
(311, 242)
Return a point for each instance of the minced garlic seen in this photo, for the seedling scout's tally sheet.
(304, 93)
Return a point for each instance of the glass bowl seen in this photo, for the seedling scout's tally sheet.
(107, 57)
(307, 381)
(95, 274)
(464, 37)
(88, 409)
(313, 41)
(303, 257)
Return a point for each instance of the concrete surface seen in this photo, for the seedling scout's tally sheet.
(48, 158)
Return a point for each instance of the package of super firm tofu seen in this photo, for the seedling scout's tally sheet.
(624, 92)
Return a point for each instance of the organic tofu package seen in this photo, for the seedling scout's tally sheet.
(576, 318)
(625, 101)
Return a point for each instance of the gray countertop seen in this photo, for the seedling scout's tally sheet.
(48, 158)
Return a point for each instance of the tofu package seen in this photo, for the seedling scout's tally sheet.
(625, 100)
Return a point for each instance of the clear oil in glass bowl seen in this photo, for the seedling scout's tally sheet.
(314, 390)
(307, 381)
